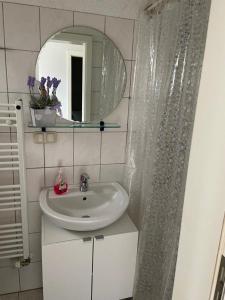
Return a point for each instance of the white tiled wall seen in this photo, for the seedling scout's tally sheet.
(23, 29)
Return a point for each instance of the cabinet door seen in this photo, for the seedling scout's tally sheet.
(67, 270)
(114, 263)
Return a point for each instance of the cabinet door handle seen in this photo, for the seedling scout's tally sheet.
(87, 239)
(99, 237)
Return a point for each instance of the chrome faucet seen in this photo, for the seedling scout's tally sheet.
(84, 182)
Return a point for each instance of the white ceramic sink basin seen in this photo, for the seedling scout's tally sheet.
(100, 206)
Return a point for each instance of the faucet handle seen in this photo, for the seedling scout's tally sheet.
(84, 176)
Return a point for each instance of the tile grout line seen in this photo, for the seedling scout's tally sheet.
(70, 10)
(4, 39)
(130, 89)
(105, 25)
(70, 166)
(130, 95)
(21, 50)
(132, 52)
(8, 266)
(19, 279)
(39, 19)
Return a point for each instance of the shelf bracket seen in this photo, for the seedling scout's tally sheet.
(102, 125)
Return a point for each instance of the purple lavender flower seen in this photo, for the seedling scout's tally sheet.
(55, 82)
(42, 82)
(30, 81)
(49, 82)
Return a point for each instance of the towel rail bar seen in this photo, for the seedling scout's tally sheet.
(14, 242)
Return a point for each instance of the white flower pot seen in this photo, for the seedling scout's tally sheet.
(43, 117)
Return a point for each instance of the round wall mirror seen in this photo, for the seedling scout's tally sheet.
(91, 69)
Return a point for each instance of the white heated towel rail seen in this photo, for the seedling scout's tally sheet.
(13, 236)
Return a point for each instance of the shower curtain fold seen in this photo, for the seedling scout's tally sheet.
(167, 75)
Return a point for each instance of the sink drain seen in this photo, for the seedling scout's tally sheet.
(85, 216)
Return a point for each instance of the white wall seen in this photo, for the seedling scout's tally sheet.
(205, 191)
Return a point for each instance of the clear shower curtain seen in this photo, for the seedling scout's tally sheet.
(167, 75)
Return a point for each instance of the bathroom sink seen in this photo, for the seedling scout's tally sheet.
(100, 206)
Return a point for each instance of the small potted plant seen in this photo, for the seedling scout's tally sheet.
(46, 105)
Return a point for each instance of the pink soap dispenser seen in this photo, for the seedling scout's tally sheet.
(60, 186)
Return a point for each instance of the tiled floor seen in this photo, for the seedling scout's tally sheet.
(27, 295)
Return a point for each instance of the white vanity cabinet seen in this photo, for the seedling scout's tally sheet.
(97, 265)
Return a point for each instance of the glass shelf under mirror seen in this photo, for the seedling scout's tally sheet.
(102, 125)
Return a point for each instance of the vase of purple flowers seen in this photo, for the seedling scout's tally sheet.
(44, 106)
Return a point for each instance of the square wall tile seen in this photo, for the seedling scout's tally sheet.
(9, 280)
(13, 97)
(52, 21)
(119, 116)
(92, 171)
(8, 262)
(14, 296)
(110, 173)
(35, 182)
(26, 109)
(6, 177)
(87, 148)
(35, 246)
(86, 130)
(4, 137)
(121, 32)
(34, 217)
(3, 83)
(21, 26)
(61, 152)
(91, 20)
(51, 174)
(1, 27)
(113, 147)
(31, 276)
(7, 217)
(3, 98)
(34, 153)
(20, 64)
(36, 294)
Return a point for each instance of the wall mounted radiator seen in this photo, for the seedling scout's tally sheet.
(14, 241)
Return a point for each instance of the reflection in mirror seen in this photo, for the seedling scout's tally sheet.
(91, 69)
